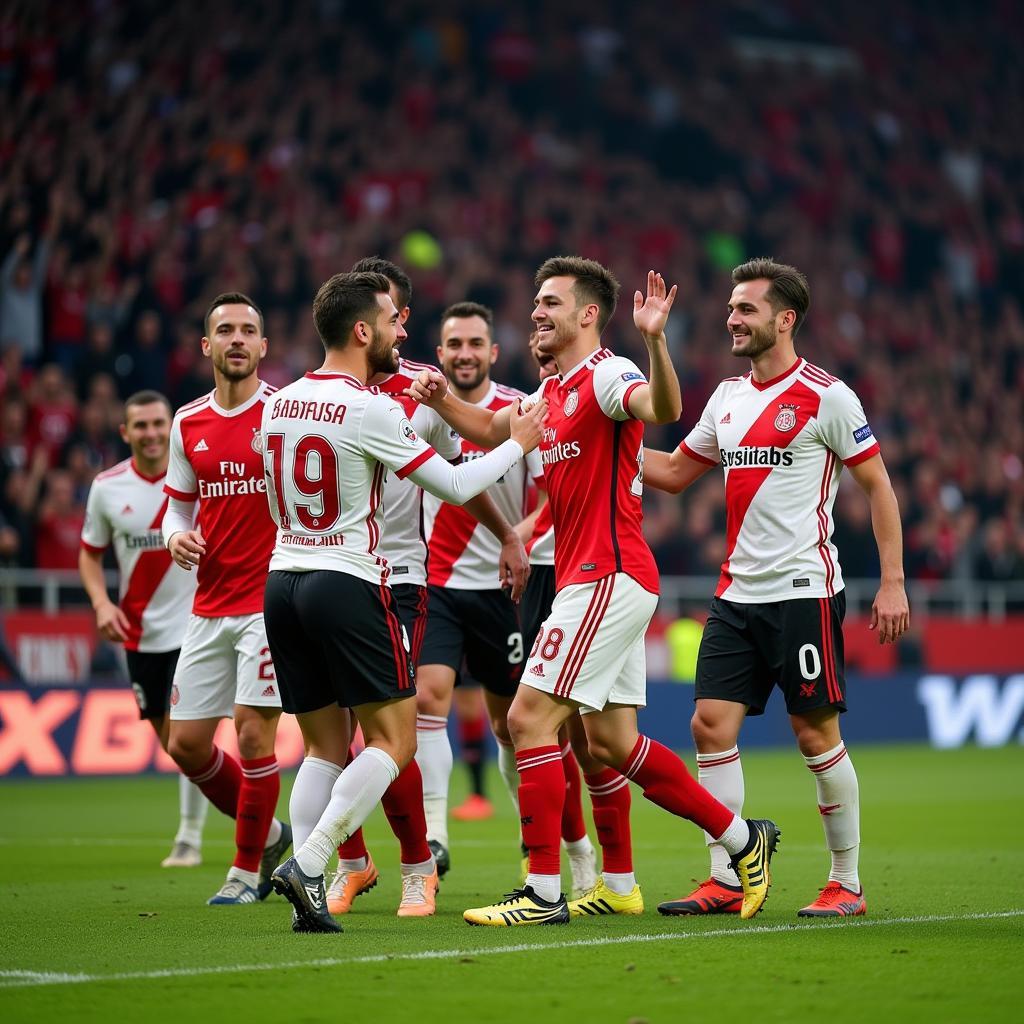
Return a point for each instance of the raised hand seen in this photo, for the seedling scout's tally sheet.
(650, 314)
(428, 388)
(527, 425)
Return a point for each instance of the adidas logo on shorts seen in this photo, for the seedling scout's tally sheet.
(537, 670)
(269, 692)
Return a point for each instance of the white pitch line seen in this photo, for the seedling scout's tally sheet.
(32, 979)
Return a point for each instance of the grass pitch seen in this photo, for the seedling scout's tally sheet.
(91, 927)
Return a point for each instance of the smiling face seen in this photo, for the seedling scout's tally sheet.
(235, 343)
(147, 431)
(557, 317)
(386, 336)
(752, 323)
(466, 352)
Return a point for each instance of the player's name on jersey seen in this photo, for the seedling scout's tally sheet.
(295, 409)
(738, 458)
(144, 541)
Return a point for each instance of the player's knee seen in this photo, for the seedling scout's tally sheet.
(499, 726)
(255, 739)
(814, 738)
(189, 753)
(709, 735)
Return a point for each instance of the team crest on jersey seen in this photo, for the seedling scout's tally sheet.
(408, 434)
(786, 420)
(572, 400)
(257, 441)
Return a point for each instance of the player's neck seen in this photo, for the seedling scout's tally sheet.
(348, 360)
(150, 469)
(776, 362)
(230, 394)
(572, 355)
(471, 395)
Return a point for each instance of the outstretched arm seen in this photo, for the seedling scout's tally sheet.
(659, 401)
(890, 611)
(671, 472)
(481, 426)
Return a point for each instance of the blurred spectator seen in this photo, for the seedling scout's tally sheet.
(59, 523)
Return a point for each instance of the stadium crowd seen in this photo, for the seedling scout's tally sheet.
(156, 154)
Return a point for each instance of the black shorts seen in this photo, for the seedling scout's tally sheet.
(411, 606)
(335, 638)
(535, 605)
(151, 675)
(747, 649)
(480, 626)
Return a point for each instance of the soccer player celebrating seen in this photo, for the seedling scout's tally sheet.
(225, 669)
(403, 547)
(590, 651)
(783, 433)
(125, 508)
(329, 441)
(470, 617)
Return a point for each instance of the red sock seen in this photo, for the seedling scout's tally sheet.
(355, 846)
(573, 825)
(541, 796)
(220, 780)
(666, 782)
(257, 801)
(609, 793)
(403, 805)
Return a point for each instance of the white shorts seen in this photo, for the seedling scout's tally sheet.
(590, 648)
(223, 662)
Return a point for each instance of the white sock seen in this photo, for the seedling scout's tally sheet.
(509, 772)
(426, 868)
(311, 793)
(356, 864)
(547, 887)
(839, 804)
(192, 808)
(578, 846)
(273, 833)
(434, 756)
(736, 836)
(621, 883)
(721, 775)
(251, 878)
(357, 791)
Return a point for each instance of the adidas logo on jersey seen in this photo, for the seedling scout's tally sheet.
(727, 418)
(537, 670)
(202, 446)
(269, 691)
(127, 510)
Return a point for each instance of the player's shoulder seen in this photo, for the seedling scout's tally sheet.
(266, 392)
(119, 471)
(504, 395)
(198, 405)
(819, 379)
(608, 368)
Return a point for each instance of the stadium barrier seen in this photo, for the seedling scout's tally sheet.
(61, 731)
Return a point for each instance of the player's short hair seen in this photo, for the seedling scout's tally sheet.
(463, 310)
(788, 289)
(344, 300)
(146, 397)
(594, 283)
(230, 299)
(394, 273)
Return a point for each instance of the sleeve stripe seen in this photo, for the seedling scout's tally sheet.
(625, 397)
(92, 547)
(688, 451)
(856, 460)
(415, 464)
(180, 495)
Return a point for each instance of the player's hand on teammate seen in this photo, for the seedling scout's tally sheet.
(527, 425)
(186, 548)
(111, 622)
(429, 387)
(513, 566)
(650, 314)
(890, 613)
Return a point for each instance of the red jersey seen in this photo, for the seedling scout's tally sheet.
(216, 459)
(593, 453)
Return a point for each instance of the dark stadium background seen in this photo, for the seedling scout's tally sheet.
(153, 154)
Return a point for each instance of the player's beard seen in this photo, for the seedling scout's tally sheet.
(381, 357)
(232, 371)
(460, 383)
(756, 343)
(551, 343)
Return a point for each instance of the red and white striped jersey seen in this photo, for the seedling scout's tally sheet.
(403, 545)
(328, 444)
(125, 508)
(216, 461)
(593, 453)
(463, 553)
(782, 445)
(541, 545)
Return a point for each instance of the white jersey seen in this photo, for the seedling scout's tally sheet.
(328, 442)
(783, 445)
(125, 508)
(403, 545)
(463, 553)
